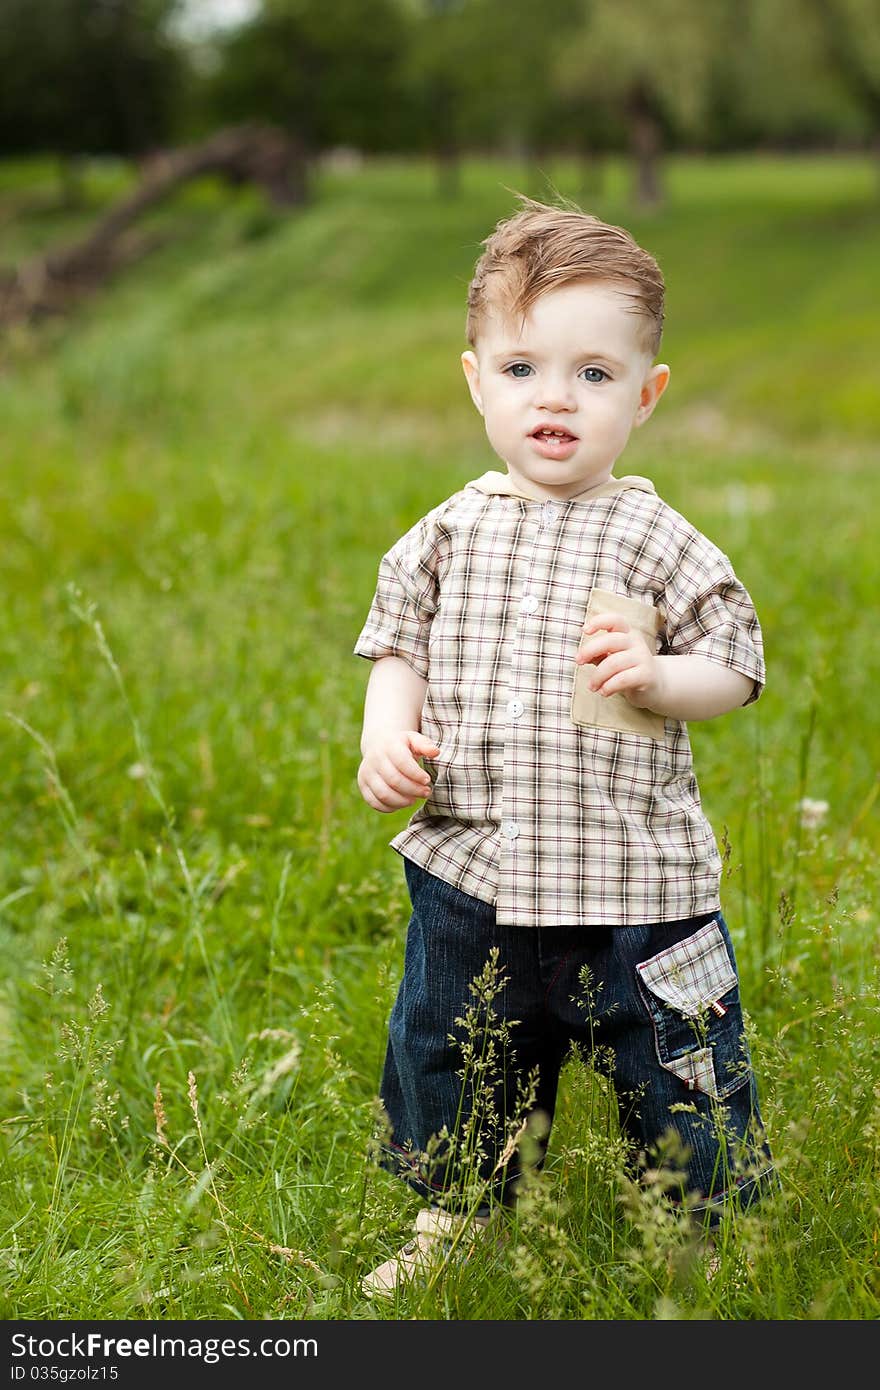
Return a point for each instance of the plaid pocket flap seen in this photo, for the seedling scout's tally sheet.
(691, 974)
(696, 1069)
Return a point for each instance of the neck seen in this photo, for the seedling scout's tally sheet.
(540, 494)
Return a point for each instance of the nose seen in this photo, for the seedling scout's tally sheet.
(554, 394)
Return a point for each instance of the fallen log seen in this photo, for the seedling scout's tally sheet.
(46, 284)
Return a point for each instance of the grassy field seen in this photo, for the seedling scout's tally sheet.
(201, 468)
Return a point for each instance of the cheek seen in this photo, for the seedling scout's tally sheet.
(497, 435)
(617, 418)
(499, 413)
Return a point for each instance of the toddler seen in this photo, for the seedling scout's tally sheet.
(540, 641)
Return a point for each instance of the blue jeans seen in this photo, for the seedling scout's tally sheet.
(468, 1062)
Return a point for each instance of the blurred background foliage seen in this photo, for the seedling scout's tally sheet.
(497, 77)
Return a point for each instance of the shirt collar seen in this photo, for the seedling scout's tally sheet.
(497, 484)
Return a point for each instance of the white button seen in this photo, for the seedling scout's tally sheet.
(529, 604)
(515, 708)
(549, 512)
(510, 830)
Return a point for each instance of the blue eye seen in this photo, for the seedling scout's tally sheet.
(518, 370)
(594, 375)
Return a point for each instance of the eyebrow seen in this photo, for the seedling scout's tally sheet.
(513, 353)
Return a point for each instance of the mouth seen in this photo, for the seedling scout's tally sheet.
(554, 442)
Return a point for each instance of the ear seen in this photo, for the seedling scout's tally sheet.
(653, 386)
(472, 374)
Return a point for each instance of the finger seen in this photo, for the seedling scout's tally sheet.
(609, 622)
(400, 783)
(402, 762)
(600, 646)
(408, 767)
(612, 666)
(373, 800)
(386, 798)
(423, 747)
(623, 683)
(381, 782)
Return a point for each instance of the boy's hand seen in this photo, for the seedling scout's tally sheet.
(625, 664)
(389, 776)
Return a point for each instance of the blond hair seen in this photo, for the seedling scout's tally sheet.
(542, 248)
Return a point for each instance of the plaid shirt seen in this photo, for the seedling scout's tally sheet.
(557, 805)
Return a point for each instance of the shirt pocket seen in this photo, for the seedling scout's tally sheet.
(691, 993)
(588, 707)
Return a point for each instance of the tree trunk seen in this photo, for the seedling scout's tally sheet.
(446, 152)
(592, 175)
(448, 170)
(538, 160)
(70, 180)
(646, 144)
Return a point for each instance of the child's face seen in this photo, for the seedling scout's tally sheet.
(561, 392)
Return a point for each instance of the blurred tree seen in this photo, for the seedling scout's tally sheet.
(87, 76)
(480, 75)
(510, 53)
(790, 88)
(851, 32)
(440, 71)
(652, 65)
(121, 76)
(327, 74)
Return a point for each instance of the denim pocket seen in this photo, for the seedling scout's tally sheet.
(588, 707)
(691, 992)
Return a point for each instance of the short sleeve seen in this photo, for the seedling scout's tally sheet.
(709, 613)
(405, 601)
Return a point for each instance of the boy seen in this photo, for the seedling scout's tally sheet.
(540, 639)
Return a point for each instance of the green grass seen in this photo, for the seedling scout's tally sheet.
(201, 468)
